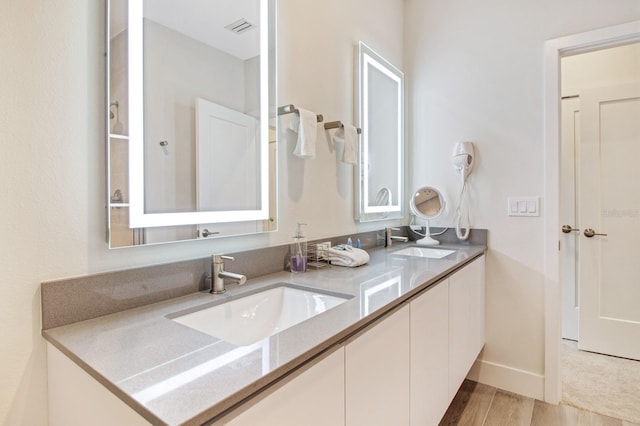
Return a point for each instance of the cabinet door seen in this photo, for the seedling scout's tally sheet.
(466, 321)
(430, 355)
(77, 399)
(315, 397)
(377, 373)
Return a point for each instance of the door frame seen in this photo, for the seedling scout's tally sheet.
(554, 50)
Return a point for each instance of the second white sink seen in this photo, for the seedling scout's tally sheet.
(252, 318)
(431, 253)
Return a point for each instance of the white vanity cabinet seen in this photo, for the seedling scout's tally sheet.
(313, 397)
(447, 333)
(77, 399)
(377, 373)
(430, 355)
(404, 369)
(466, 321)
(364, 382)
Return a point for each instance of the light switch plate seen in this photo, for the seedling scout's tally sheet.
(523, 206)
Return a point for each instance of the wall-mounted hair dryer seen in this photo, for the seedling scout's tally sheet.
(464, 155)
(463, 158)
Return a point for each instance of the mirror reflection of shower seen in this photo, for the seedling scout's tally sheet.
(117, 127)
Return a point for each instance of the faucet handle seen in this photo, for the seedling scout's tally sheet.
(220, 258)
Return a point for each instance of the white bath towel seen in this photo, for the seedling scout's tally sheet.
(349, 135)
(305, 124)
(343, 255)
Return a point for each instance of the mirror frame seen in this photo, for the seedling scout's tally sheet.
(365, 211)
(138, 218)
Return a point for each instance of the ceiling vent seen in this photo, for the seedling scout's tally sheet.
(240, 26)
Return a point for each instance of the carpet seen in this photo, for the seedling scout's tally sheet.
(600, 383)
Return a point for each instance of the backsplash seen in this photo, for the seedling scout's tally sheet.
(77, 299)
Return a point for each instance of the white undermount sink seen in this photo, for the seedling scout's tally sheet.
(430, 253)
(251, 318)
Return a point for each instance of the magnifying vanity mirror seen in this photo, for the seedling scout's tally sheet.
(427, 203)
(379, 174)
(191, 119)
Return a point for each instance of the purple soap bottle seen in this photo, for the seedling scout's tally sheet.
(299, 251)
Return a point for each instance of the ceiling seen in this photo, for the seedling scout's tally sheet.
(203, 20)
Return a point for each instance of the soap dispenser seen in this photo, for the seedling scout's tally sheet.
(299, 251)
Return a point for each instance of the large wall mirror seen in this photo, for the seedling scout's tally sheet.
(191, 116)
(380, 173)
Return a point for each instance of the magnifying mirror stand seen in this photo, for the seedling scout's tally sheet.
(427, 240)
(427, 203)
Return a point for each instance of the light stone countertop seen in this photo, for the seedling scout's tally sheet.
(168, 372)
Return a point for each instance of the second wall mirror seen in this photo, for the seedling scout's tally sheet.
(379, 178)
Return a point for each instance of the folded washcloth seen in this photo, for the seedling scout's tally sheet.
(342, 255)
(305, 124)
(349, 135)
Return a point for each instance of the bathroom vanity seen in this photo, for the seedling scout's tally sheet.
(404, 338)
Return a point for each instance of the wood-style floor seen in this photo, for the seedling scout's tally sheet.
(478, 404)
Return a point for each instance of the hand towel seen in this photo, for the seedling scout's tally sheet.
(349, 135)
(343, 255)
(305, 124)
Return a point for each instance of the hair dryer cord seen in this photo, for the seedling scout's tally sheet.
(462, 233)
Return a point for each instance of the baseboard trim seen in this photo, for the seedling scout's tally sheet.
(508, 378)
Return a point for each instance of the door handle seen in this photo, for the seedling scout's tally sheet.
(206, 233)
(567, 228)
(589, 233)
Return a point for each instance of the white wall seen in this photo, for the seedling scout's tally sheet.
(475, 72)
(52, 217)
(316, 42)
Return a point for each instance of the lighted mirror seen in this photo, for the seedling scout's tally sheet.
(379, 181)
(190, 90)
(427, 203)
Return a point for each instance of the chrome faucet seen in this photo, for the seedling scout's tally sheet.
(389, 237)
(218, 274)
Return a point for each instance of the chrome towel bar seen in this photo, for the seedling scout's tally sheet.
(337, 125)
(289, 109)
